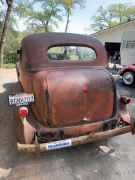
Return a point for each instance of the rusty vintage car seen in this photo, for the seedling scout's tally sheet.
(65, 95)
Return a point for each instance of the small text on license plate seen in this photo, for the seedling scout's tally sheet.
(20, 99)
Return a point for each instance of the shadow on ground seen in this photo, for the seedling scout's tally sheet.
(8, 151)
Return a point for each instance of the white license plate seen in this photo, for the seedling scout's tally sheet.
(58, 144)
(20, 99)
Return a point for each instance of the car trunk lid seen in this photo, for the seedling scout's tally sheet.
(79, 96)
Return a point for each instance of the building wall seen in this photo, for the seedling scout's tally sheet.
(115, 34)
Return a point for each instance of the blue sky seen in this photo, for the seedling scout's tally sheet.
(80, 20)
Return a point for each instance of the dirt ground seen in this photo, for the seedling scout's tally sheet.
(112, 159)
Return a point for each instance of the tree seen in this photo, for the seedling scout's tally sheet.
(122, 12)
(1, 19)
(7, 20)
(5, 28)
(69, 6)
(113, 15)
(46, 18)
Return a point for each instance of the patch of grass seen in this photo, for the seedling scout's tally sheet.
(8, 66)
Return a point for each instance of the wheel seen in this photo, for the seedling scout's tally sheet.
(129, 78)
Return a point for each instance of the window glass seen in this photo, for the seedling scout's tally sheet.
(128, 45)
(71, 53)
(132, 45)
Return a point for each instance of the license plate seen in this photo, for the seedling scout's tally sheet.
(20, 99)
(58, 144)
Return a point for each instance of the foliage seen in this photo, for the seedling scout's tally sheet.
(12, 44)
(9, 66)
(12, 20)
(8, 11)
(50, 14)
(113, 15)
(10, 58)
(69, 6)
(1, 18)
(42, 19)
(45, 19)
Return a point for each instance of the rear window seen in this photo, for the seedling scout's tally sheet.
(73, 53)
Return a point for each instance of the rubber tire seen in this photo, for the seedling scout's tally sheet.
(133, 74)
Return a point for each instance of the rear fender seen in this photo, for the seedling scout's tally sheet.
(126, 70)
(24, 128)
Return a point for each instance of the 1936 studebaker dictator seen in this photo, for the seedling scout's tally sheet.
(65, 96)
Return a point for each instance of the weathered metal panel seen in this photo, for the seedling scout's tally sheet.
(34, 50)
(70, 105)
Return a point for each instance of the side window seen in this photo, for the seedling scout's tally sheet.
(132, 45)
(128, 44)
(73, 53)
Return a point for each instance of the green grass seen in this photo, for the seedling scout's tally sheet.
(8, 66)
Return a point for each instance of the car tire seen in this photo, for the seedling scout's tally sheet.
(129, 78)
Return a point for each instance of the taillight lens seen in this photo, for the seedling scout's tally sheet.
(23, 111)
(125, 100)
(85, 89)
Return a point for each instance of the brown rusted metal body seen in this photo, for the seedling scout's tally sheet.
(62, 109)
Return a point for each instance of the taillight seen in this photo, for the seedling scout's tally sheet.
(23, 111)
(85, 89)
(125, 100)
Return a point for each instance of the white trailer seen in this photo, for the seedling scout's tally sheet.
(127, 50)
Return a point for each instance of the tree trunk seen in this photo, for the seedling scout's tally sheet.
(5, 28)
(67, 23)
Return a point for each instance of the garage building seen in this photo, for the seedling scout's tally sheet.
(111, 37)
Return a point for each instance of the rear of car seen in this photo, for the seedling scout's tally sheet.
(71, 96)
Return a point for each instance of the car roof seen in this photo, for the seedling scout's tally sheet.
(35, 47)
